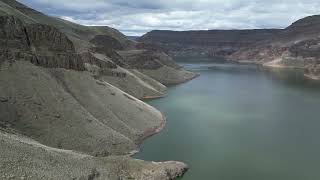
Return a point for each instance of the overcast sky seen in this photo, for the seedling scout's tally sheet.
(136, 17)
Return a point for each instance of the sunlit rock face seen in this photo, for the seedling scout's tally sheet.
(296, 47)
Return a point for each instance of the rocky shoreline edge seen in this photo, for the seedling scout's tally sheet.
(313, 77)
(155, 130)
(179, 168)
(186, 80)
(174, 169)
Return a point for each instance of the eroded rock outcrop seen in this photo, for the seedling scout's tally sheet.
(44, 38)
(313, 71)
(158, 66)
(295, 47)
(43, 45)
(106, 42)
(13, 34)
(146, 59)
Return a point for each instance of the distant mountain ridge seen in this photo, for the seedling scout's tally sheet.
(296, 46)
(209, 43)
(133, 37)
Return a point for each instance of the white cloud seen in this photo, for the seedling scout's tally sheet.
(139, 16)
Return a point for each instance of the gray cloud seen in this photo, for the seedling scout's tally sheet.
(139, 16)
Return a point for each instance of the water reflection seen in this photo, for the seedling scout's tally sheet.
(291, 77)
(241, 122)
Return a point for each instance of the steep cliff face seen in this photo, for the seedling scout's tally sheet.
(80, 35)
(45, 38)
(13, 34)
(107, 42)
(205, 43)
(70, 97)
(42, 45)
(98, 44)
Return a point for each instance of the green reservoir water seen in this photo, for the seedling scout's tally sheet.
(238, 122)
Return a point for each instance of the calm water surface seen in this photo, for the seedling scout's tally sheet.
(237, 122)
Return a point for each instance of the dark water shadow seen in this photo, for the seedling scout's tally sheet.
(291, 77)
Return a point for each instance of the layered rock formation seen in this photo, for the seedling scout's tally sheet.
(103, 42)
(157, 65)
(295, 47)
(69, 99)
(210, 43)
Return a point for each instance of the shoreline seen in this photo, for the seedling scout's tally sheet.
(155, 130)
(184, 81)
(149, 133)
(312, 77)
(153, 97)
(276, 66)
(168, 86)
(267, 65)
(179, 167)
(280, 66)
